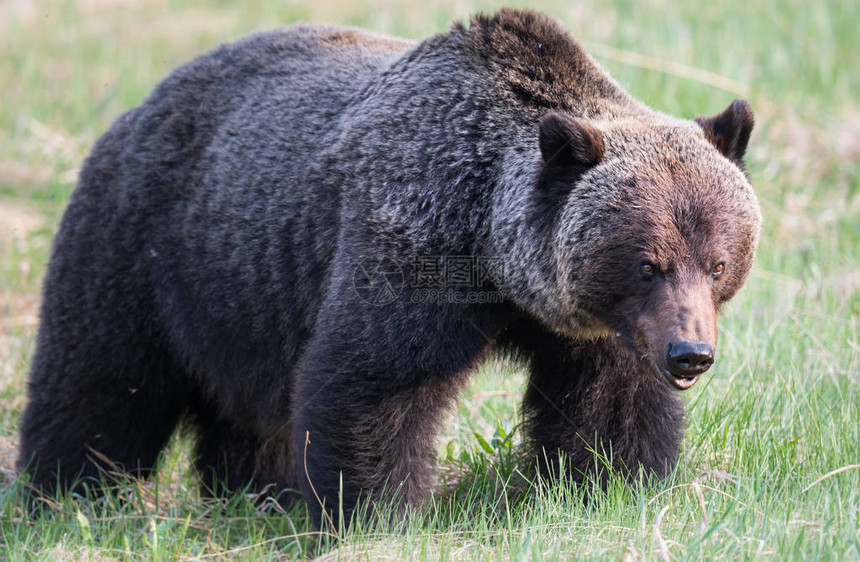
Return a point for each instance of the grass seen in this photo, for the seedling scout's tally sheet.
(769, 467)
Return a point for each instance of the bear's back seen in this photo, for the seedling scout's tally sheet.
(284, 89)
(206, 187)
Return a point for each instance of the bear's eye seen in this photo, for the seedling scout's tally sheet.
(649, 269)
(718, 269)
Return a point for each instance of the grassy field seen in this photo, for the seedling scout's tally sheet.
(769, 467)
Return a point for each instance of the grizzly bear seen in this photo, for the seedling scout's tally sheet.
(301, 245)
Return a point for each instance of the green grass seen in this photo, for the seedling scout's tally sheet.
(767, 428)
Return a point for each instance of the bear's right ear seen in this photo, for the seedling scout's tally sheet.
(569, 148)
(567, 142)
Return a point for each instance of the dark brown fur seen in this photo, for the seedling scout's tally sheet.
(204, 272)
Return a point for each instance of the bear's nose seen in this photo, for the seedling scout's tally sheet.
(689, 359)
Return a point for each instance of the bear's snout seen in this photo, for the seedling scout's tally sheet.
(687, 360)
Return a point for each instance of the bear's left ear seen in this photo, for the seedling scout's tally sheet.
(730, 130)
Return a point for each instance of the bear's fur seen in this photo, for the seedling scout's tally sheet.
(205, 269)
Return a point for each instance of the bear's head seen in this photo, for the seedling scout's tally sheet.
(655, 228)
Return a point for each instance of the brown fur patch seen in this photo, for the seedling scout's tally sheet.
(538, 58)
(346, 37)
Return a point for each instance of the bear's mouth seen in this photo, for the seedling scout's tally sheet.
(681, 383)
(639, 346)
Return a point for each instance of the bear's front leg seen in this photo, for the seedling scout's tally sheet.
(360, 438)
(596, 396)
(370, 392)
